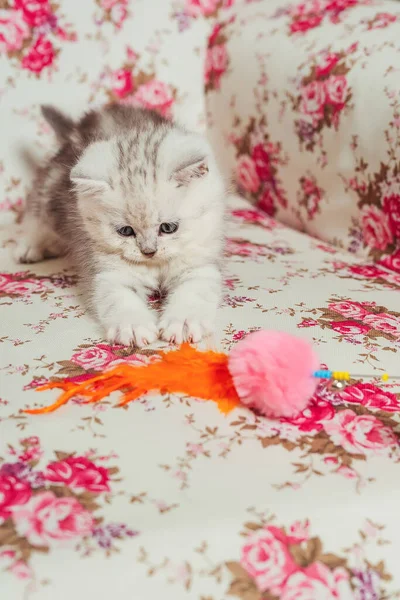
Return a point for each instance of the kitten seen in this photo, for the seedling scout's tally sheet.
(138, 203)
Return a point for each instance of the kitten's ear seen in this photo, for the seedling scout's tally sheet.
(196, 168)
(90, 175)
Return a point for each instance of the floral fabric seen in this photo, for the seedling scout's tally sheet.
(304, 109)
(168, 498)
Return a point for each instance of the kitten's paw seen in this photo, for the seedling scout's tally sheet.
(25, 253)
(127, 333)
(177, 331)
(31, 251)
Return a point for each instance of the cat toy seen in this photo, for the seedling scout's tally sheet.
(274, 373)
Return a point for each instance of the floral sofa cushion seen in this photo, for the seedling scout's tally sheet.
(169, 497)
(304, 110)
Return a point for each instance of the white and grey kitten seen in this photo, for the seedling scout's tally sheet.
(138, 202)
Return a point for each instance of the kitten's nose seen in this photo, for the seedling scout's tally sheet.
(148, 253)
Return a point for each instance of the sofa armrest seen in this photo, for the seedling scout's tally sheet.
(303, 108)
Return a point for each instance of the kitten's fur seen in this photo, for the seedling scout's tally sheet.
(123, 166)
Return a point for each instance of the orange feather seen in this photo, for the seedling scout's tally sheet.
(202, 375)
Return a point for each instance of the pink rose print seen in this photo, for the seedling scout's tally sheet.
(21, 570)
(216, 63)
(155, 95)
(366, 271)
(312, 418)
(267, 560)
(13, 30)
(47, 520)
(299, 532)
(384, 322)
(351, 310)
(347, 472)
(336, 90)
(391, 206)
(382, 20)
(262, 162)
(267, 202)
(371, 396)
(41, 55)
(12, 493)
(360, 434)
(122, 83)
(375, 227)
(118, 13)
(327, 63)
(317, 581)
(108, 4)
(35, 12)
(390, 262)
(196, 8)
(78, 473)
(246, 174)
(350, 328)
(313, 98)
(4, 280)
(96, 358)
(338, 6)
(23, 287)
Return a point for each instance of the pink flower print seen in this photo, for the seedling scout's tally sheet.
(13, 493)
(347, 472)
(350, 310)
(313, 417)
(266, 558)
(47, 520)
(246, 174)
(24, 287)
(360, 434)
(239, 335)
(306, 22)
(390, 262)
(350, 327)
(326, 64)
(40, 56)
(267, 202)
(198, 8)
(384, 322)
(35, 12)
(308, 323)
(13, 30)
(96, 358)
(375, 227)
(318, 581)
(216, 63)
(155, 95)
(371, 396)
(391, 207)
(79, 473)
(366, 271)
(313, 97)
(122, 82)
(299, 532)
(382, 20)
(336, 90)
(262, 162)
(21, 570)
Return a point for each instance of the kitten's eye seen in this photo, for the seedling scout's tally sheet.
(168, 227)
(126, 231)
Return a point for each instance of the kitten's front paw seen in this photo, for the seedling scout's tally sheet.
(176, 331)
(129, 332)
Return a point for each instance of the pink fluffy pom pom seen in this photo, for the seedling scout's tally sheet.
(273, 372)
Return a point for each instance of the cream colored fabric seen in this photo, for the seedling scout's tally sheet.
(304, 109)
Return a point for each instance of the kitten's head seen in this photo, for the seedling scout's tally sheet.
(151, 197)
